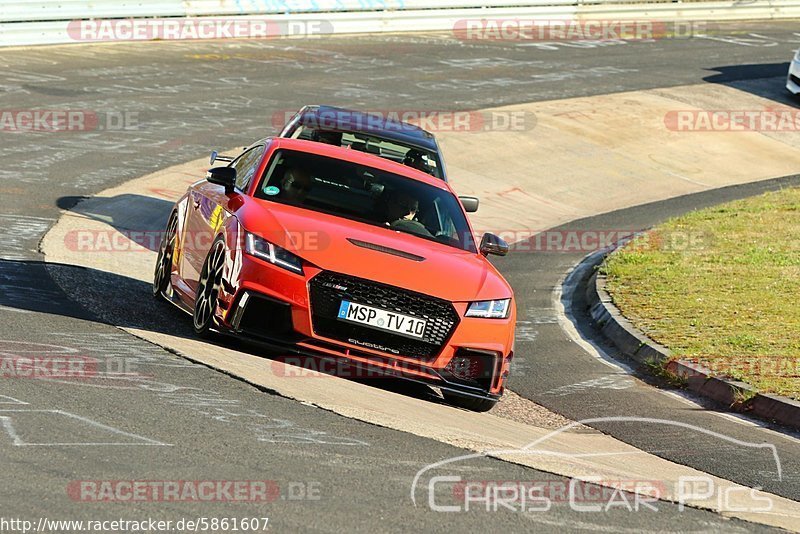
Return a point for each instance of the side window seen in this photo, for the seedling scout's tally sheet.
(245, 166)
(445, 221)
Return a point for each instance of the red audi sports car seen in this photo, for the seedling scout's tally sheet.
(341, 254)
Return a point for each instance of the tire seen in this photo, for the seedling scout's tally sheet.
(205, 301)
(166, 251)
(473, 404)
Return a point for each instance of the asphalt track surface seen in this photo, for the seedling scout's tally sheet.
(187, 422)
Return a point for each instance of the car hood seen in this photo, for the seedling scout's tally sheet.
(349, 247)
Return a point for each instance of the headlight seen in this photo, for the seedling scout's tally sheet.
(261, 248)
(490, 309)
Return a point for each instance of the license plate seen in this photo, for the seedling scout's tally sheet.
(398, 323)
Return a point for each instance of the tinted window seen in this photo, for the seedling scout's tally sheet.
(366, 194)
(419, 158)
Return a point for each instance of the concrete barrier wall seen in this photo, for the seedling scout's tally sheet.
(24, 22)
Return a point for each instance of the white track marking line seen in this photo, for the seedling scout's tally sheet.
(11, 400)
(19, 442)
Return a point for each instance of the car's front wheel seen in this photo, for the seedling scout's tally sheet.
(205, 302)
(163, 271)
(474, 404)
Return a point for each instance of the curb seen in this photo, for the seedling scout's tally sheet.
(634, 344)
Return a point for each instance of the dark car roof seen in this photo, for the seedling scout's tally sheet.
(333, 118)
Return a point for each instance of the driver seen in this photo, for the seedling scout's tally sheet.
(327, 137)
(415, 159)
(401, 210)
(296, 184)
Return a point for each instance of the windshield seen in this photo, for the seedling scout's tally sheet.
(420, 158)
(366, 194)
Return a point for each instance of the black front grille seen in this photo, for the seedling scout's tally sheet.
(794, 79)
(327, 290)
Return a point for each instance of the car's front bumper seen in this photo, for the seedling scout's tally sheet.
(273, 307)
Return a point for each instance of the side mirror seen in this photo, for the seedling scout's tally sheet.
(470, 204)
(491, 244)
(224, 176)
(216, 157)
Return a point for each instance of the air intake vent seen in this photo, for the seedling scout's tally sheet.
(386, 250)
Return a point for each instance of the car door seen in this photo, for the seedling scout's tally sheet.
(209, 207)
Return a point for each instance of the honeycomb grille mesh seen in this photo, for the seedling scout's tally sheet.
(327, 290)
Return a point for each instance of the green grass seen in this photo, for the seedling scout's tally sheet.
(721, 287)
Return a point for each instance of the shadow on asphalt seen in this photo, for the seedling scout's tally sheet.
(101, 296)
(734, 73)
(767, 80)
(143, 215)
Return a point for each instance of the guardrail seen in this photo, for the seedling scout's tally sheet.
(54, 21)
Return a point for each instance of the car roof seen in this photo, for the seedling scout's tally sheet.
(334, 118)
(361, 158)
